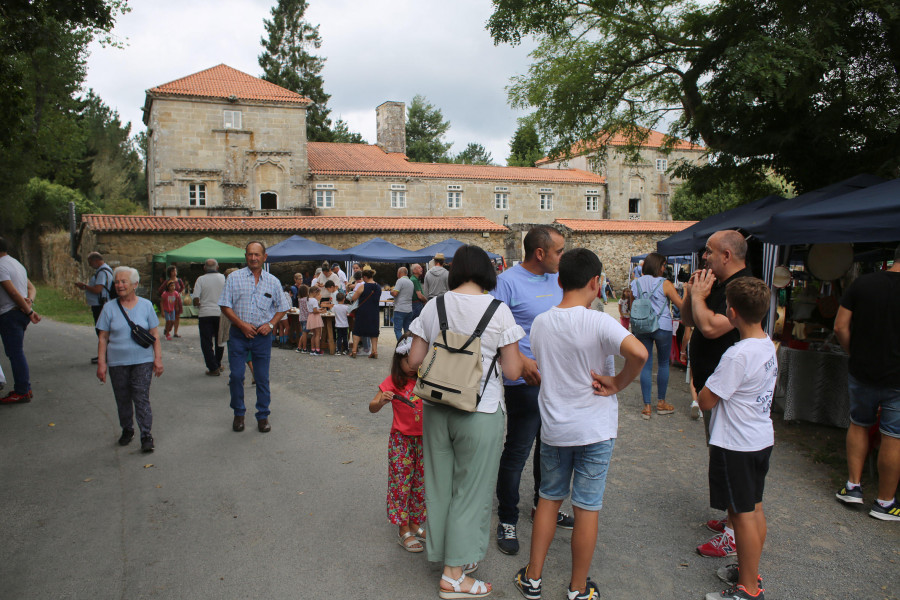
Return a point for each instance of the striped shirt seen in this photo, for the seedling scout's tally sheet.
(253, 303)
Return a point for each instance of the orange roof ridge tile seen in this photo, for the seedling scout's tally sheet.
(222, 81)
(656, 139)
(623, 225)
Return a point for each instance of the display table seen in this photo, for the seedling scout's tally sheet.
(812, 386)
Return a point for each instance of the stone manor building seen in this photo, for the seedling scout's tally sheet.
(224, 143)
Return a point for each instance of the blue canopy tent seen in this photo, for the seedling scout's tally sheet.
(449, 247)
(677, 260)
(380, 250)
(298, 248)
(871, 214)
(754, 218)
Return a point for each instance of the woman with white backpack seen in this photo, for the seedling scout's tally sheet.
(651, 323)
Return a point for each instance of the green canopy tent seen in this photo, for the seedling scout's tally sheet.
(195, 252)
(200, 250)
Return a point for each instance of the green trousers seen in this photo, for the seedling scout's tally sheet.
(462, 457)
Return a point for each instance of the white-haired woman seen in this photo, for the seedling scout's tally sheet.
(130, 365)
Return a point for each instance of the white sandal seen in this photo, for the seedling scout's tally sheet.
(416, 546)
(478, 590)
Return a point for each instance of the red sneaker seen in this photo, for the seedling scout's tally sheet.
(14, 398)
(716, 525)
(718, 547)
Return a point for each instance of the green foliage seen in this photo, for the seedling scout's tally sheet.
(474, 154)
(288, 62)
(341, 133)
(54, 304)
(806, 89)
(43, 48)
(689, 204)
(47, 203)
(525, 148)
(425, 129)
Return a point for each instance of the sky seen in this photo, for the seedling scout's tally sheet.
(375, 51)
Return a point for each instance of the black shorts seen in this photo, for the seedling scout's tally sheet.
(737, 479)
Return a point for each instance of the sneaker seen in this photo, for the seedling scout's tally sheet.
(168, 338)
(530, 588)
(891, 513)
(147, 444)
(14, 398)
(718, 547)
(851, 495)
(729, 574)
(717, 525)
(695, 411)
(507, 541)
(127, 436)
(737, 592)
(664, 408)
(299, 350)
(314, 353)
(563, 520)
(590, 592)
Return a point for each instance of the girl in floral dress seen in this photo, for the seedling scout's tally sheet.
(406, 471)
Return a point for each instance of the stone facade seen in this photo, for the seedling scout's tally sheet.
(371, 196)
(242, 162)
(642, 185)
(615, 250)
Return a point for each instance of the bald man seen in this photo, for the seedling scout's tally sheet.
(704, 309)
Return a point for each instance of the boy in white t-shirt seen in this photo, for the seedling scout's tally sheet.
(741, 436)
(341, 323)
(579, 416)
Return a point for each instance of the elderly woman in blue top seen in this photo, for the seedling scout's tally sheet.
(254, 303)
(130, 365)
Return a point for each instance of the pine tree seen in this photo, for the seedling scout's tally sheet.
(425, 129)
(287, 62)
(525, 147)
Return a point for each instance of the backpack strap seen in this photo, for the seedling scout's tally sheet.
(665, 300)
(640, 291)
(479, 329)
(109, 281)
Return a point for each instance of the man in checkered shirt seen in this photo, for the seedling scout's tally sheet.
(254, 303)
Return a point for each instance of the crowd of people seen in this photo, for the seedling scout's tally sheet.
(548, 381)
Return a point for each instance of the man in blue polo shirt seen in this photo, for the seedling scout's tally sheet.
(529, 289)
(254, 303)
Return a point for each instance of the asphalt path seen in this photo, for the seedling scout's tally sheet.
(300, 512)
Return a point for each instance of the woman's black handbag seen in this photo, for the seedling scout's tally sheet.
(141, 336)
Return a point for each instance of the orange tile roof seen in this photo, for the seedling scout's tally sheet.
(146, 223)
(656, 139)
(623, 226)
(223, 81)
(333, 159)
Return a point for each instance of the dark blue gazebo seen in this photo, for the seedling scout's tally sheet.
(449, 247)
(380, 250)
(298, 248)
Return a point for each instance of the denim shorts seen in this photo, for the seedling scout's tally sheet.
(864, 402)
(169, 316)
(303, 327)
(588, 463)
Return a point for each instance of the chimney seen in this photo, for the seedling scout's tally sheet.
(390, 121)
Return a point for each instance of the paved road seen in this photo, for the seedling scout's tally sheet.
(299, 512)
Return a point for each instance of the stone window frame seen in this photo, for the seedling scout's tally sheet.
(635, 208)
(264, 192)
(234, 123)
(661, 165)
(501, 200)
(546, 201)
(454, 199)
(592, 203)
(398, 199)
(327, 199)
(197, 194)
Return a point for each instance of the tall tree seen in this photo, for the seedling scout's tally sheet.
(43, 48)
(288, 61)
(525, 148)
(341, 133)
(425, 129)
(474, 154)
(804, 88)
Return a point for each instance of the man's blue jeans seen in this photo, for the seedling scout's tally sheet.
(401, 323)
(12, 333)
(260, 348)
(523, 427)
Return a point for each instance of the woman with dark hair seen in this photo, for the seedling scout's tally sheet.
(172, 276)
(366, 323)
(653, 285)
(462, 449)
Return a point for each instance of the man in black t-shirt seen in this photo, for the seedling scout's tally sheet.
(868, 328)
(704, 309)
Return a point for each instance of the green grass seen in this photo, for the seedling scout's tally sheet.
(52, 304)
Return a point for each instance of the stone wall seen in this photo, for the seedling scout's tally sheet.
(615, 250)
(189, 144)
(58, 268)
(371, 197)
